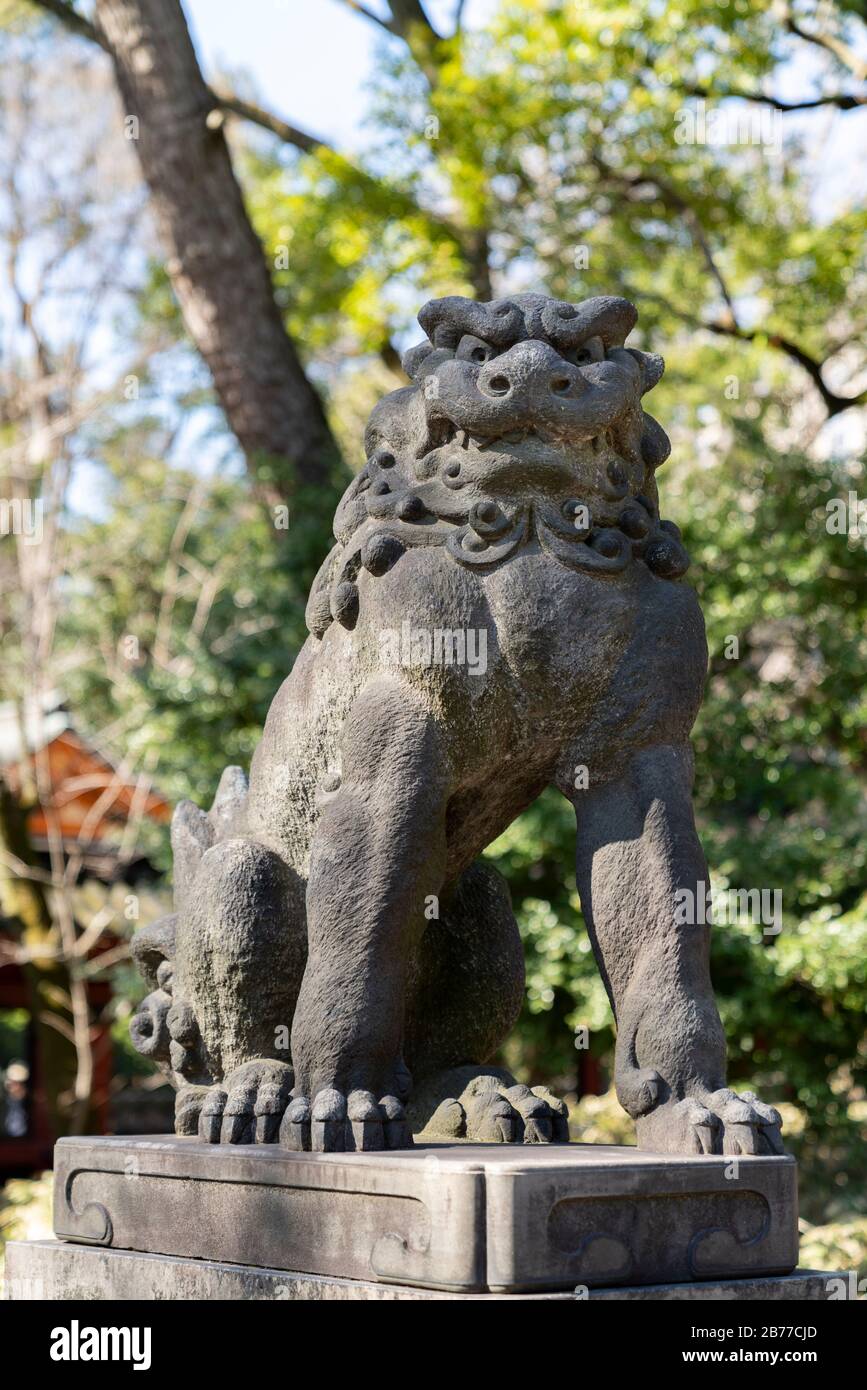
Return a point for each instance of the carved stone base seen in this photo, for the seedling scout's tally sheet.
(49, 1271)
(461, 1217)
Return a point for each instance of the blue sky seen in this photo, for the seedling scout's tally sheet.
(274, 40)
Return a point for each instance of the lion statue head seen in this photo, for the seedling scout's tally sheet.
(524, 422)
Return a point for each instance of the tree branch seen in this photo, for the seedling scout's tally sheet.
(409, 22)
(404, 203)
(387, 24)
(675, 200)
(728, 326)
(834, 404)
(409, 12)
(214, 258)
(833, 45)
(66, 12)
(843, 101)
(289, 134)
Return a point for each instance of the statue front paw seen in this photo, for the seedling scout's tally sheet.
(713, 1122)
(248, 1107)
(335, 1121)
(490, 1110)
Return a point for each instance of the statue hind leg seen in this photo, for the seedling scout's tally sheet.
(469, 992)
(227, 974)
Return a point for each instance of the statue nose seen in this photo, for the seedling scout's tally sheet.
(531, 372)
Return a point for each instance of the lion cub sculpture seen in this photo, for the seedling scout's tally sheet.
(502, 611)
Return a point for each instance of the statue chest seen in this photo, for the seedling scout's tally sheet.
(529, 624)
(556, 627)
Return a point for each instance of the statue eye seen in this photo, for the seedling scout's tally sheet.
(472, 349)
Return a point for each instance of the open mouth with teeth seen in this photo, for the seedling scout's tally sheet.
(527, 457)
(442, 431)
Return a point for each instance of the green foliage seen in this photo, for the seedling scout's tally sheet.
(838, 1245)
(190, 603)
(553, 134)
(13, 1035)
(25, 1211)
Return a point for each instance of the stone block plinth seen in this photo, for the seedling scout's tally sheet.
(460, 1218)
(54, 1271)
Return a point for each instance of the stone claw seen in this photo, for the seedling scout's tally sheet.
(535, 1114)
(395, 1125)
(449, 1120)
(490, 1112)
(295, 1127)
(714, 1122)
(269, 1108)
(211, 1115)
(328, 1122)
(337, 1124)
(248, 1106)
(559, 1114)
(364, 1123)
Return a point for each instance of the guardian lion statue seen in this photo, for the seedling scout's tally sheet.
(342, 963)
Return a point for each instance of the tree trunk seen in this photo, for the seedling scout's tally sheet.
(214, 258)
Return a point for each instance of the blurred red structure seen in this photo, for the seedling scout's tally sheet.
(91, 802)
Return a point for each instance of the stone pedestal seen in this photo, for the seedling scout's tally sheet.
(54, 1271)
(458, 1218)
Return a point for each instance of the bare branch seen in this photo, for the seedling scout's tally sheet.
(193, 504)
(843, 101)
(387, 24)
(21, 870)
(832, 44)
(59, 1025)
(103, 961)
(289, 134)
(93, 931)
(67, 13)
(834, 404)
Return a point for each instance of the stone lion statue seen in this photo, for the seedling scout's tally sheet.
(502, 610)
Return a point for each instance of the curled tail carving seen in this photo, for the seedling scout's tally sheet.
(163, 1028)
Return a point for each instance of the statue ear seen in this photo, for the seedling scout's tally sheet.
(655, 443)
(652, 367)
(413, 358)
(424, 360)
